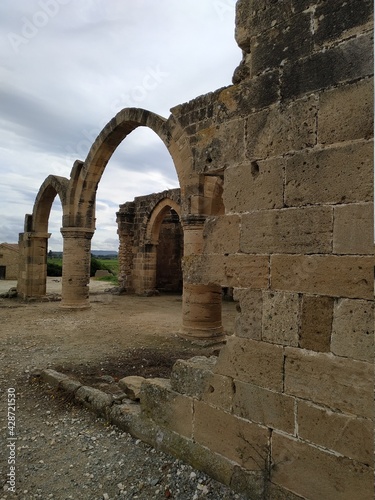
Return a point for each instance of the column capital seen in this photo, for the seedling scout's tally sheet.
(77, 232)
(193, 221)
(36, 235)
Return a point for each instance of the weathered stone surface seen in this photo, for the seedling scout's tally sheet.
(166, 407)
(250, 483)
(251, 361)
(288, 39)
(254, 186)
(280, 318)
(350, 436)
(346, 113)
(309, 175)
(278, 130)
(243, 442)
(316, 323)
(219, 392)
(251, 95)
(278, 493)
(248, 323)
(264, 407)
(304, 230)
(336, 18)
(348, 61)
(353, 329)
(247, 271)
(350, 231)
(240, 270)
(94, 399)
(298, 465)
(221, 235)
(337, 276)
(190, 376)
(341, 384)
(70, 385)
(123, 415)
(53, 378)
(218, 147)
(132, 386)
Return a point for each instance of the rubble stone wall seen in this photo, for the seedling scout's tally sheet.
(151, 241)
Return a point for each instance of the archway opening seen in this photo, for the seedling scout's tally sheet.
(169, 254)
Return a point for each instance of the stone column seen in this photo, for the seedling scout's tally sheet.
(33, 264)
(76, 267)
(201, 303)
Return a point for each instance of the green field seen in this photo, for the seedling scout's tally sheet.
(112, 265)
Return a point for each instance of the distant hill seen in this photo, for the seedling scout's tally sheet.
(99, 253)
(95, 253)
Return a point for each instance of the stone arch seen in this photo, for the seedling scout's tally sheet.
(33, 242)
(156, 219)
(52, 186)
(164, 246)
(87, 175)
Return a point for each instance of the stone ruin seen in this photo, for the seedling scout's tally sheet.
(276, 190)
(151, 243)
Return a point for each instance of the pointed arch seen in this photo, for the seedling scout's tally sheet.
(53, 185)
(82, 192)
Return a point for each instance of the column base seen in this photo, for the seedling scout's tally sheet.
(76, 307)
(203, 336)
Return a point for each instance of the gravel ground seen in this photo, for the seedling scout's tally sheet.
(63, 451)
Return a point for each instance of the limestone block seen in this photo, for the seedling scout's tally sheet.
(264, 407)
(166, 407)
(249, 96)
(266, 15)
(304, 230)
(336, 175)
(337, 276)
(248, 323)
(287, 38)
(316, 323)
(249, 483)
(251, 361)
(278, 130)
(53, 378)
(243, 442)
(217, 147)
(346, 113)
(123, 415)
(312, 473)
(352, 230)
(221, 235)
(350, 436)
(254, 186)
(242, 19)
(351, 60)
(219, 392)
(243, 271)
(94, 399)
(336, 19)
(280, 318)
(190, 376)
(247, 271)
(353, 329)
(339, 383)
(131, 386)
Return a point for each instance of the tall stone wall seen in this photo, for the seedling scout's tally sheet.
(9, 261)
(287, 410)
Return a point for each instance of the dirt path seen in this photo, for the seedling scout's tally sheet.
(64, 452)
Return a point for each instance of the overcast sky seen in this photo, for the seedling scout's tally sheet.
(68, 66)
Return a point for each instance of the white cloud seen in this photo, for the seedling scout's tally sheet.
(73, 66)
